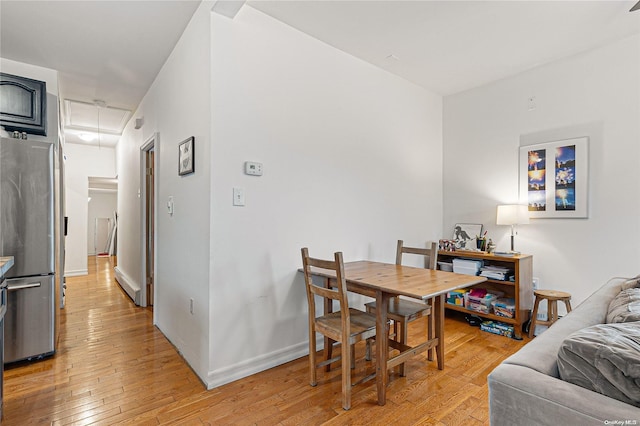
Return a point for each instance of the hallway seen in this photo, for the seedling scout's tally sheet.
(112, 364)
(114, 367)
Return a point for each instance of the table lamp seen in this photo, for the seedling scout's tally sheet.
(512, 214)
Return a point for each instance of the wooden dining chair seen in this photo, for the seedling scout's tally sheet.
(347, 326)
(403, 311)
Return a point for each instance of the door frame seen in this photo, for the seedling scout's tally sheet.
(150, 144)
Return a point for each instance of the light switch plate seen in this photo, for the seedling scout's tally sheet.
(238, 196)
(170, 205)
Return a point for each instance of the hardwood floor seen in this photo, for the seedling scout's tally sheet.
(114, 367)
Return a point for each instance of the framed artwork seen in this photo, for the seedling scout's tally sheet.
(554, 178)
(186, 157)
(466, 234)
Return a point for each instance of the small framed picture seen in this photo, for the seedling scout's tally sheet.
(186, 157)
(465, 235)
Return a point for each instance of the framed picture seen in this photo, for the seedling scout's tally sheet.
(466, 234)
(186, 157)
(554, 178)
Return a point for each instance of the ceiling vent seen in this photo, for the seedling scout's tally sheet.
(101, 184)
(95, 117)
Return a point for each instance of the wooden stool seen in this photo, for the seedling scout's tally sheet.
(552, 297)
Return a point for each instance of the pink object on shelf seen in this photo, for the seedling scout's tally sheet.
(478, 292)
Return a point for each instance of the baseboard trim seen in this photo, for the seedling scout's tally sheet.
(76, 273)
(128, 285)
(255, 365)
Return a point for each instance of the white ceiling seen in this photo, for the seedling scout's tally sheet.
(105, 50)
(111, 51)
(452, 46)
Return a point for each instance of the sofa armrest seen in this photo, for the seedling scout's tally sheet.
(521, 396)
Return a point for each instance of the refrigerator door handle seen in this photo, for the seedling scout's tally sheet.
(23, 286)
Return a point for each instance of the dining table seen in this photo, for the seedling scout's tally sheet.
(383, 281)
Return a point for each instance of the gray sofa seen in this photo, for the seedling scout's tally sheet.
(526, 388)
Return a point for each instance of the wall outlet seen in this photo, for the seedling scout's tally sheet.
(191, 306)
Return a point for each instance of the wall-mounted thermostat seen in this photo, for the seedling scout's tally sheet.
(252, 168)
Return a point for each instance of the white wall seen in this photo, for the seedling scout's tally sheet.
(129, 221)
(352, 162)
(595, 94)
(176, 106)
(35, 72)
(82, 161)
(336, 128)
(101, 206)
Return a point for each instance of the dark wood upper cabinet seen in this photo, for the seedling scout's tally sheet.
(23, 104)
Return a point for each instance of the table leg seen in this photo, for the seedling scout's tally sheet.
(430, 329)
(382, 345)
(439, 329)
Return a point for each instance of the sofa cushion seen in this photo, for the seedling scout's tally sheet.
(625, 307)
(541, 353)
(604, 358)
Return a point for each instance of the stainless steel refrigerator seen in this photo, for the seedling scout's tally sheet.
(27, 232)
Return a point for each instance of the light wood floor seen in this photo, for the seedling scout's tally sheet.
(114, 366)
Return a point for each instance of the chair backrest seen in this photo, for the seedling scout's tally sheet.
(338, 293)
(431, 254)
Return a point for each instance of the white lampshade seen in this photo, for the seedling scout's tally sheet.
(512, 214)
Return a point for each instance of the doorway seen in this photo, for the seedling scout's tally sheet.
(148, 161)
(149, 222)
(102, 216)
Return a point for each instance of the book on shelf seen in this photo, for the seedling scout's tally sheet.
(495, 272)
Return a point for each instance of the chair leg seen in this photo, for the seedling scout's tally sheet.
(567, 303)
(328, 352)
(554, 312)
(312, 358)
(367, 353)
(346, 376)
(534, 318)
(353, 357)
